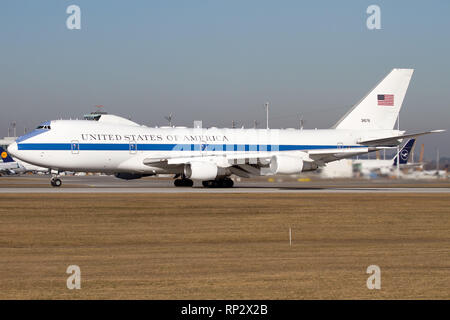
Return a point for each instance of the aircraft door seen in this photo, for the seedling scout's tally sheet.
(203, 148)
(133, 147)
(75, 147)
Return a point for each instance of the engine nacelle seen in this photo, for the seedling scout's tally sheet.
(281, 164)
(201, 171)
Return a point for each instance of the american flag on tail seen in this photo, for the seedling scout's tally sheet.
(385, 99)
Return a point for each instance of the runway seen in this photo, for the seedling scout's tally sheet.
(107, 184)
(221, 190)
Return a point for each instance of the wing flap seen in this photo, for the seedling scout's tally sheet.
(262, 158)
(320, 157)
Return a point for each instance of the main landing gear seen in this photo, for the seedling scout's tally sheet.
(220, 183)
(183, 182)
(55, 182)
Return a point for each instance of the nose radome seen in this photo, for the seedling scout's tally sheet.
(12, 149)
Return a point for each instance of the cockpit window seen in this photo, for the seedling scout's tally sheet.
(92, 117)
(45, 127)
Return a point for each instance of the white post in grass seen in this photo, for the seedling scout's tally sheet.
(290, 237)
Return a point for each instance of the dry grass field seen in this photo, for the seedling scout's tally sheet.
(224, 246)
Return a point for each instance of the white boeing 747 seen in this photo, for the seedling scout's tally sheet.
(111, 144)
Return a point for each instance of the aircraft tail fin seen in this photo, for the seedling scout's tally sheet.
(5, 155)
(380, 107)
(405, 152)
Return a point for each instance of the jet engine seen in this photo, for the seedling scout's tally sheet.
(283, 164)
(201, 171)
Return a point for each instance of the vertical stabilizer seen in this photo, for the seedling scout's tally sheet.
(405, 152)
(5, 156)
(380, 107)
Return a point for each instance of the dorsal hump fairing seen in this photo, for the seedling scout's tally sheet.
(379, 109)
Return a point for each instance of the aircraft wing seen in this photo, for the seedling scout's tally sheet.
(246, 166)
(394, 140)
(220, 160)
(328, 155)
(320, 156)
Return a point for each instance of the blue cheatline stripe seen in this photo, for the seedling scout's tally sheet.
(44, 146)
(173, 147)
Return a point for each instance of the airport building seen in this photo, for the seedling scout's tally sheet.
(6, 141)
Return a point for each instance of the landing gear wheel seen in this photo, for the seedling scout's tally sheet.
(56, 182)
(227, 183)
(209, 183)
(189, 183)
(183, 183)
(221, 183)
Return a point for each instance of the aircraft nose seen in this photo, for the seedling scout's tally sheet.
(12, 149)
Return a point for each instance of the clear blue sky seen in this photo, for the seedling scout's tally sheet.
(219, 61)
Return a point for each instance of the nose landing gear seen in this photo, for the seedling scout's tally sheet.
(56, 182)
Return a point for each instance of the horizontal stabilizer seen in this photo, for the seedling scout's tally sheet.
(394, 140)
